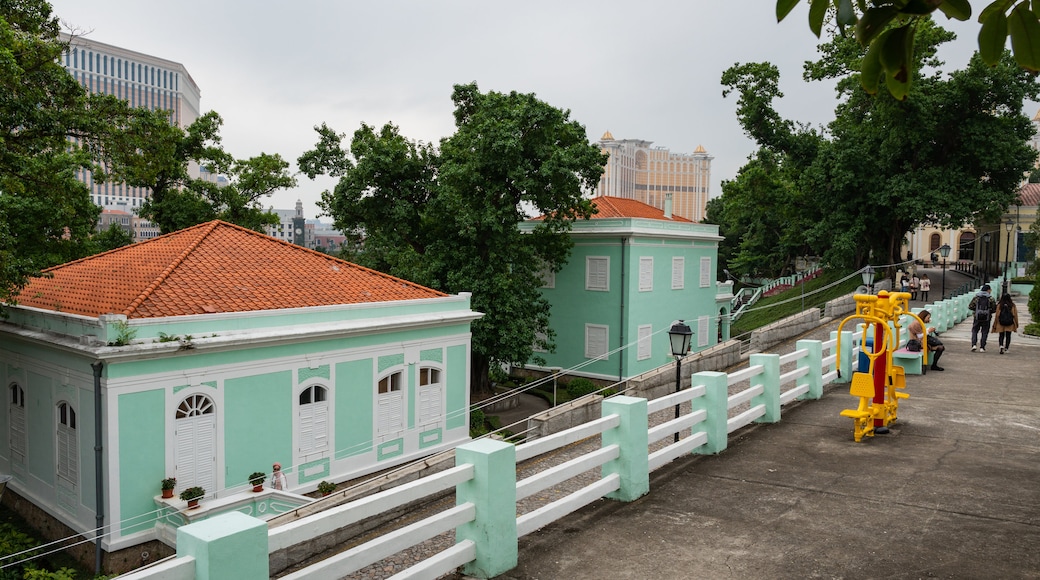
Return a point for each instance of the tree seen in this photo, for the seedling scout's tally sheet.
(889, 29)
(46, 215)
(150, 151)
(952, 154)
(447, 217)
(111, 238)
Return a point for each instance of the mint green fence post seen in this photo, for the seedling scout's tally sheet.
(769, 379)
(715, 404)
(814, 362)
(632, 436)
(231, 545)
(493, 491)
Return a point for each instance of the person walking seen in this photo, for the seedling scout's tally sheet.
(1005, 321)
(982, 306)
(926, 285)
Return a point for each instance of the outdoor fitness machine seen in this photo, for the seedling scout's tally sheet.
(879, 388)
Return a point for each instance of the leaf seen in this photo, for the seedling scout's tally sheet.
(956, 9)
(870, 68)
(1025, 37)
(993, 37)
(873, 22)
(995, 6)
(817, 12)
(920, 7)
(784, 7)
(846, 13)
(897, 58)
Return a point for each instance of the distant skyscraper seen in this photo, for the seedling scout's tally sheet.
(141, 80)
(637, 171)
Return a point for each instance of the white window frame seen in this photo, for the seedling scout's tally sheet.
(548, 277)
(390, 405)
(646, 274)
(313, 427)
(678, 273)
(592, 334)
(705, 272)
(539, 336)
(430, 406)
(66, 444)
(17, 421)
(703, 324)
(597, 273)
(645, 333)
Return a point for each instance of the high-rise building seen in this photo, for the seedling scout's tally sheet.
(143, 81)
(638, 171)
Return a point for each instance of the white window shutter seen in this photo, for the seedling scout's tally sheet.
(645, 333)
(705, 272)
(678, 273)
(702, 331)
(646, 274)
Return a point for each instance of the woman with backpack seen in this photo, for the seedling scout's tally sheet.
(1005, 322)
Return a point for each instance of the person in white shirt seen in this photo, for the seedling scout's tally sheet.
(278, 478)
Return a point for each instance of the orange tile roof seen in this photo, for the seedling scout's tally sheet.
(1029, 194)
(211, 267)
(619, 207)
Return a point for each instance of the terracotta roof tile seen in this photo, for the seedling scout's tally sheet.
(619, 207)
(1029, 194)
(211, 267)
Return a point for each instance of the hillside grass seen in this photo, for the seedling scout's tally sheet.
(769, 310)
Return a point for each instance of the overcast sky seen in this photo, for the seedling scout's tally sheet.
(650, 70)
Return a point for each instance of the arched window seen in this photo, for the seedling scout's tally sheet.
(934, 241)
(67, 444)
(195, 447)
(16, 412)
(966, 247)
(314, 420)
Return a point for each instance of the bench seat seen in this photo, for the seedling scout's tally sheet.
(909, 360)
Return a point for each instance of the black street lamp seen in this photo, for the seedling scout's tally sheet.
(1008, 225)
(944, 251)
(868, 278)
(679, 336)
(985, 259)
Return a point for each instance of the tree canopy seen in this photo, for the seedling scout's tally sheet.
(952, 154)
(447, 216)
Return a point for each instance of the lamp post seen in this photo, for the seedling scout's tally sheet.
(868, 278)
(1008, 225)
(985, 259)
(944, 251)
(679, 337)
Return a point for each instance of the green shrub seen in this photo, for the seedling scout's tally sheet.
(580, 387)
(477, 424)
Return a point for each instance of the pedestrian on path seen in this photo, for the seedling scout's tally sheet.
(915, 284)
(926, 285)
(982, 306)
(1005, 322)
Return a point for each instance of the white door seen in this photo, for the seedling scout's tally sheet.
(195, 452)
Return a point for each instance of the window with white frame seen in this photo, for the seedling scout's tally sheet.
(597, 273)
(16, 414)
(678, 273)
(596, 340)
(67, 444)
(540, 340)
(390, 403)
(313, 414)
(431, 395)
(702, 331)
(646, 274)
(548, 277)
(705, 272)
(645, 333)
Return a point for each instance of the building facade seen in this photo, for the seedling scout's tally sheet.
(141, 80)
(647, 174)
(633, 271)
(207, 355)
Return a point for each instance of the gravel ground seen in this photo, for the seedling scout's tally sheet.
(402, 560)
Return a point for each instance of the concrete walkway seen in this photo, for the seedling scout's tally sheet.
(952, 492)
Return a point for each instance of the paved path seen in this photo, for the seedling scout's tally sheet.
(952, 492)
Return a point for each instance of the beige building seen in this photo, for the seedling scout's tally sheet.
(647, 174)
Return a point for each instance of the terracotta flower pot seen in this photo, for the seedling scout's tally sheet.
(258, 488)
(193, 503)
(167, 493)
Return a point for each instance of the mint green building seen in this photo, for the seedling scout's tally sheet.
(634, 270)
(212, 353)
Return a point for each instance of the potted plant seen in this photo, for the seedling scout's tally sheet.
(167, 486)
(256, 479)
(192, 495)
(325, 488)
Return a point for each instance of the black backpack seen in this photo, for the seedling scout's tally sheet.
(1006, 318)
(982, 312)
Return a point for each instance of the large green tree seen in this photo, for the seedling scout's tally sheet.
(447, 217)
(952, 154)
(50, 128)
